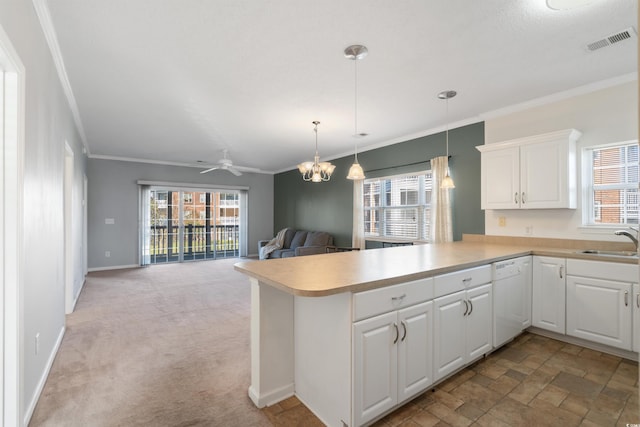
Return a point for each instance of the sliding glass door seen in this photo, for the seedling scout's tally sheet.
(192, 225)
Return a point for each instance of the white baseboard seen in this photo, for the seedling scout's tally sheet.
(43, 379)
(113, 267)
(272, 397)
(77, 295)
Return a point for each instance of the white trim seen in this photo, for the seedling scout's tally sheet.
(272, 397)
(161, 162)
(43, 379)
(560, 96)
(67, 196)
(190, 185)
(114, 267)
(42, 10)
(11, 308)
(629, 355)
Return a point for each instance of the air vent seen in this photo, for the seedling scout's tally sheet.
(612, 39)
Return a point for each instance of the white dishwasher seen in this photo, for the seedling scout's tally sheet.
(511, 298)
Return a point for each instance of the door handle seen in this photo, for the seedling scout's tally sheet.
(638, 300)
(626, 298)
(466, 307)
(395, 325)
(470, 311)
(404, 330)
(400, 298)
(522, 198)
(561, 268)
(515, 198)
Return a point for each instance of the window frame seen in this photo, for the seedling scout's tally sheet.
(421, 207)
(588, 205)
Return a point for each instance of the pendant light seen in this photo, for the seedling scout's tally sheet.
(355, 53)
(447, 182)
(316, 171)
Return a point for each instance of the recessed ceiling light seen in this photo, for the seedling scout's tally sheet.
(566, 4)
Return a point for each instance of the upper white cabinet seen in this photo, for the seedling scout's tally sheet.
(537, 172)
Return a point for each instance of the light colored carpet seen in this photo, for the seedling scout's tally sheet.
(166, 345)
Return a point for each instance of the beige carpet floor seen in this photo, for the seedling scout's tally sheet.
(166, 345)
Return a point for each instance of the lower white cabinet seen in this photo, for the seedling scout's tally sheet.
(600, 302)
(636, 317)
(599, 310)
(548, 299)
(462, 328)
(392, 359)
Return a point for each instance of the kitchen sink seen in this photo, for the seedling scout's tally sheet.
(628, 254)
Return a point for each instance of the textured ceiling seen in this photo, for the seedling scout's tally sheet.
(178, 81)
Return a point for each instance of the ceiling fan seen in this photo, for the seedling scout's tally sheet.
(226, 164)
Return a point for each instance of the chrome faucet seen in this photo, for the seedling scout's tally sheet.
(633, 238)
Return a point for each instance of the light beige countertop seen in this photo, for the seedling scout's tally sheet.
(327, 274)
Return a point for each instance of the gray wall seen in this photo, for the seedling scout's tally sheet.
(48, 124)
(328, 206)
(113, 193)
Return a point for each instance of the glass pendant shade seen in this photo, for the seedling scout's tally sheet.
(356, 172)
(447, 182)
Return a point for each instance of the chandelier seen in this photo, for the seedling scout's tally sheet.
(316, 171)
(447, 182)
(356, 52)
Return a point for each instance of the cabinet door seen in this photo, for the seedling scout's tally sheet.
(375, 365)
(500, 172)
(544, 175)
(548, 307)
(415, 350)
(479, 322)
(636, 317)
(599, 310)
(449, 333)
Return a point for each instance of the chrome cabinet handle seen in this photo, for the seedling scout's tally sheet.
(395, 325)
(515, 198)
(470, 311)
(638, 300)
(467, 280)
(466, 307)
(626, 298)
(404, 330)
(400, 298)
(522, 198)
(561, 268)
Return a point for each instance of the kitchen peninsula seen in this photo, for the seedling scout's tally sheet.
(322, 325)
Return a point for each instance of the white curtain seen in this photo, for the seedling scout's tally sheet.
(441, 225)
(144, 224)
(357, 239)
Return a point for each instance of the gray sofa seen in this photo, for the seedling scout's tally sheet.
(301, 242)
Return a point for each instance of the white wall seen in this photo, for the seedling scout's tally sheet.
(49, 123)
(603, 116)
(113, 193)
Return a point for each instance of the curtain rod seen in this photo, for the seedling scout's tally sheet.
(401, 166)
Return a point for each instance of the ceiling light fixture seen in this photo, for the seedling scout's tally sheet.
(447, 182)
(355, 53)
(566, 4)
(316, 171)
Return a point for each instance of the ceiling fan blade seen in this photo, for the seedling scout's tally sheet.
(234, 171)
(210, 169)
(247, 169)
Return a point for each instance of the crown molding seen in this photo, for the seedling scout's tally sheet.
(42, 10)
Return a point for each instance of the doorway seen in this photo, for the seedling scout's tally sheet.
(186, 225)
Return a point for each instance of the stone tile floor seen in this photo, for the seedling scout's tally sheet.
(532, 381)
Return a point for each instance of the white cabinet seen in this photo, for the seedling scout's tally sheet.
(511, 298)
(636, 318)
(392, 347)
(548, 296)
(537, 172)
(462, 320)
(392, 359)
(600, 301)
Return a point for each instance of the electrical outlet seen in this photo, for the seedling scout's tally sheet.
(37, 342)
(107, 254)
(502, 221)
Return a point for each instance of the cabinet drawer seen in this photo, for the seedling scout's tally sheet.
(382, 300)
(603, 270)
(459, 280)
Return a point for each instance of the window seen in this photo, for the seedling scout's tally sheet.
(398, 206)
(612, 184)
